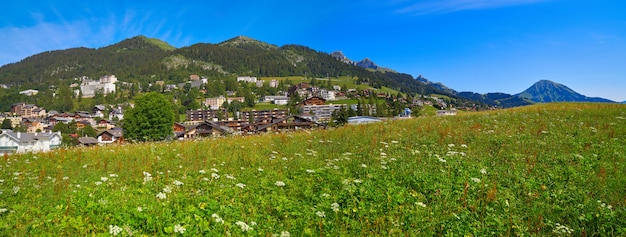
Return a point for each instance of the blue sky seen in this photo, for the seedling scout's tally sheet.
(469, 45)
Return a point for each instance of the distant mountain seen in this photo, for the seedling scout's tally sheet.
(367, 64)
(339, 55)
(548, 91)
(543, 91)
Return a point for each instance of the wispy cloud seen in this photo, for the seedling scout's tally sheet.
(17, 43)
(447, 6)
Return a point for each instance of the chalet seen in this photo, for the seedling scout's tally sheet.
(313, 101)
(210, 129)
(111, 136)
(98, 111)
(106, 124)
(18, 142)
(87, 141)
(206, 114)
(292, 122)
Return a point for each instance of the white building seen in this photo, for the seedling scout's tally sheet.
(327, 95)
(247, 79)
(320, 113)
(106, 85)
(18, 142)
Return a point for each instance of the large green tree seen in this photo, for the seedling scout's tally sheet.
(6, 124)
(150, 120)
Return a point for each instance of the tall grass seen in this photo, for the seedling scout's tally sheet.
(551, 169)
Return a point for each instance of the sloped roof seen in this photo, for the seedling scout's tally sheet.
(29, 137)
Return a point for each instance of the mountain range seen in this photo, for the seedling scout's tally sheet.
(146, 60)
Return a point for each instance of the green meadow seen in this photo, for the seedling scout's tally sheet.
(542, 170)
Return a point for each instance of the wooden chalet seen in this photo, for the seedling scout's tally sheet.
(209, 129)
(315, 100)
(111, 136)
(292, 122)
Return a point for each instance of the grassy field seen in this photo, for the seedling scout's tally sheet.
(541, 170)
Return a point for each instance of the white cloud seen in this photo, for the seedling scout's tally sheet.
(447, 6)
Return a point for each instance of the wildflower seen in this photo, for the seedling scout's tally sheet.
(395, 142)
(161, 196)
(320, 214)
(260, 169)
(450, 145)
(215, 170)
(325, 195)
(358, 181)
(104, 179)
(98, 183)
(217, 218)
(228, 176)
(442, 160)
(201, 171)
(244, 227)
(112, 175)
(215, 175)
(364, 165)
(421, 204)
(146, 177)
(114, 230)
(167, 189)
(476, 180)
(16, 189)
(139, 209)
(285, 234)
(3, 210)
(179, 229)
(561, 229)
(334, 206)
(205, 179)
(483, 171)
(463, 145)
(310, 171)
(280, 183)
(66, 178)
(240, 185)
(177, 183)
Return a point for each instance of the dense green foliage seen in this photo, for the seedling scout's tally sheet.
(150, 120)
(544, 170)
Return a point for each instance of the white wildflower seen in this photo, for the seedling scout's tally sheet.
(217, 218)
(147, 177)
(205, 179)
(364, 165)
(16, 189)
(98, 183)
(177, 183)
(285, 234)
(104, 179)
(483, 171)
(463, 145)
(476, 180)
(310, 171)
(561, 229)
(421, 204)
(114, 230)
(240, 185)
(450, 145)
(228, 176)
(280, 183)
(215, 170)
(334, 206)
(358, 181)
(244, 227)
(66, 178)
(161, 195)
(3, 210)
(442, 160)
(139, 209)
(179, 229)
(215, 176)
(325, 195)
(201, 171)
(320, 214)
(113, 175)
(395, 142)
(167, 189)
